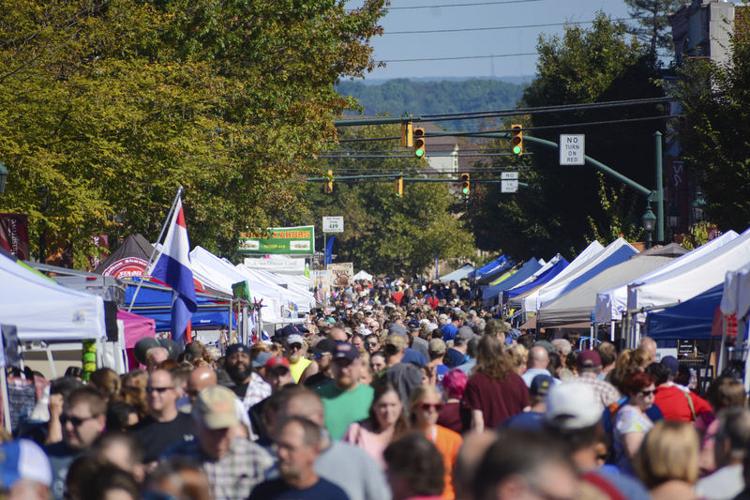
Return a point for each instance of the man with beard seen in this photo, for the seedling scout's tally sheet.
(298, 443)
(249, 387)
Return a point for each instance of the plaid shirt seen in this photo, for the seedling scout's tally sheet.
(257, 390)
(606, 392)
(234, 475)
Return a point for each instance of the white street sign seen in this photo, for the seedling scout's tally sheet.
(572, 149)
(509, 176)
(509, 186)
(333, 224)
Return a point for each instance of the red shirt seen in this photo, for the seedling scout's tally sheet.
(673, 403)
(397, 297)
(498, 400)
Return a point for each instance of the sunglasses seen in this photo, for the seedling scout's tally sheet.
(428, 406)
(295, 346)
(160, 390)
(75, 421)
(646, 394)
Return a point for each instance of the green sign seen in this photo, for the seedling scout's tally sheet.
(299, 240)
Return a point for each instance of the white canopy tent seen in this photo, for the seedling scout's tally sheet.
(612, 303)
(302, 299)
(461, 273)
(362, 275)
(43, 310)
(530, 301)
(277, 299)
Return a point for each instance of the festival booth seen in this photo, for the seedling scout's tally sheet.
(491, 270)
(490, 294)
(612, 304)
(362, 275)
(459, 274)
(685, 282)
(693, 319)
(544, 275)
(576, 305)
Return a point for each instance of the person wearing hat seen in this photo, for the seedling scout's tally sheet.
(294, 350)
(25, 472)
(437, 349)
(346, 400)
(249, 386)
(323, 353)
(532, 419)
(457, 355)
(234, 465)
(589, 367)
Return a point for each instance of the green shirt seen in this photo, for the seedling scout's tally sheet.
(343, 408)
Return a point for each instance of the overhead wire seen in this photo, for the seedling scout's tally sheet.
(451, 5)
(497, 28)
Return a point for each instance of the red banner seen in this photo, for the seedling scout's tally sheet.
(14, 234)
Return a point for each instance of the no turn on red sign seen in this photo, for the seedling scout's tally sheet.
(572, 149)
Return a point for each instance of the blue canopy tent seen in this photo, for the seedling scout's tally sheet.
(492, 269)
(689, 320)
(155, 302)
(540, 280)
(491, 293)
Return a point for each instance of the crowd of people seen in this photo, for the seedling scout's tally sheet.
(398, 390)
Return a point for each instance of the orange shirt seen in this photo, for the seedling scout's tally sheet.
(447, 442)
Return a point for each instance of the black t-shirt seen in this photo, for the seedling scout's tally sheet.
(157, 437)
(317, 381)
(277, 489)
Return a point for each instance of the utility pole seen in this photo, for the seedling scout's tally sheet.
(659, 188)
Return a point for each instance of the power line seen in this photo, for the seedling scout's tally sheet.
(449, 5)
(495, 28)
(456, 58)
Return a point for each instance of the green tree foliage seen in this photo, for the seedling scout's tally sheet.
(653, 27)
(394, 97)
(385, 233)
(106, 106)
(715, 134)
(566, 207)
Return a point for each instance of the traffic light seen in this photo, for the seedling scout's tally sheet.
(407, 135)
(420, 142)
(465, 184)
(329, 182)
(400, 186)
(516, 139)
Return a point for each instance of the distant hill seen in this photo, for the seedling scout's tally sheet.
(419, 97)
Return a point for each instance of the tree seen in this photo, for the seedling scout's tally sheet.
(385, 233)
(566, 207)
(653, 22)
(714, 133)
(106, 107)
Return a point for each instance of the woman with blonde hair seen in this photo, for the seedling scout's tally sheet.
(426, 403)
(667, 462)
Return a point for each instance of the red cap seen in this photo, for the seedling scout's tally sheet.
(589, 358)
(277, 361)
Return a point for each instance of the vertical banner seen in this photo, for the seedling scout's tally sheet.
(14, 234)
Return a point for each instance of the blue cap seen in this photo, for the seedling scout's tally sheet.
(671, 363)
(541, 384)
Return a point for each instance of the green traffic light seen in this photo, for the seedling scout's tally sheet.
(465, 190)
(419, 153)
(517, 150)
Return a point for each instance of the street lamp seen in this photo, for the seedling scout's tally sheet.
(649, 222)
(698, 206)
(3, 176)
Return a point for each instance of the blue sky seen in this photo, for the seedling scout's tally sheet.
(474, 43)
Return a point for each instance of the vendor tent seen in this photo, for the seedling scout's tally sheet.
(459, 274)
(544, 275)
(136, 327)
(577, 305)
(43, 310)
(492, 269)
(612, 303)
(491, 293)
(689, 320)
(129, 260)
(362, 275)
(689, 280)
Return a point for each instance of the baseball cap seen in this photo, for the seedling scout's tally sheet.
(277, 361)
(572, 406)
(261, 358)
(23, 459)
(396, 340)
(437, 346)
(215, 407)
(235, 348)
(295, 338)
(325, 346)
(345, 350)
(671, 363)
(589, 359)
(465, 333)
(541, 384)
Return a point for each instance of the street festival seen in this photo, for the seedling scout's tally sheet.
(230, 269)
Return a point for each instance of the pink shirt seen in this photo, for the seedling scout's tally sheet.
(369, 441)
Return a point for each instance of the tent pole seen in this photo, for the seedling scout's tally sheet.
(722, 347)
(6, 405)
(153, 252)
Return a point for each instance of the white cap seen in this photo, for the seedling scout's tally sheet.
(23, 459)
(573, 405)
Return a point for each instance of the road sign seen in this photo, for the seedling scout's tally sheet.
(572, 149)
(510, 186)
(333, 224)
(509, 176)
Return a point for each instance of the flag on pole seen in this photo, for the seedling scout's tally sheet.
(172, 266)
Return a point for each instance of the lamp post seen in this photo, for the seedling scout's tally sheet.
(3, 177)
(649, 222)
(698, 206)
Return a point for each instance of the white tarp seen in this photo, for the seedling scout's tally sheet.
(611, 304)
(459, 274)
(362, 275)
(687, 281)
(43, 310)
(261, 286)
(530, 302)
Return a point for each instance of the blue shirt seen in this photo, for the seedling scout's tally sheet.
(527, 421)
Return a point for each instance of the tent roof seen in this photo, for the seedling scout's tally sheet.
(491, 268)
(44, 310)
(490, 293)
(134, 245)
(610, 304)
(671, 250)
(687, 281)
(362, 275)
(690, 320)
(461, 273)
(547, 272)
(577, 305)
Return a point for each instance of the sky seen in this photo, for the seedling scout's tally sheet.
(439, 16)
